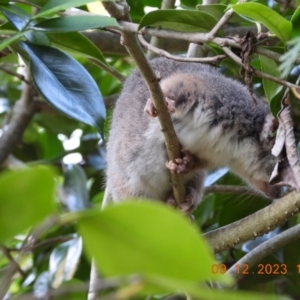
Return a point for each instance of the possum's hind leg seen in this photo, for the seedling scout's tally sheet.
(194, 193)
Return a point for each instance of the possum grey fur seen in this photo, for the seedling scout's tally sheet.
(215, 119)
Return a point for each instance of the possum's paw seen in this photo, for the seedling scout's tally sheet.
(182, 165)
(151, 110)
(189, 204)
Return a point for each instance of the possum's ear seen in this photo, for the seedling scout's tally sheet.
(283, 175)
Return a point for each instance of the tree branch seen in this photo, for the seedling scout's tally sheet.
(15, 74)
(160, 52)
(254, 225)
(23, 111)
(229, 189)
(257, 254)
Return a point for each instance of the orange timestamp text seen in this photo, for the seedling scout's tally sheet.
(262, 269)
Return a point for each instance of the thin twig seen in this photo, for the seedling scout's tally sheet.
(160, 52)
(197, 38)
(258, 73)
(7, 254)
(15, 74)
(110, 70)
(252, 258)
(225, 18)
(254, 225)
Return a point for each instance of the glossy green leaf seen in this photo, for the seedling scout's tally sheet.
(77, 44)
(147, 238)
(20, 20)
(296, 23)
(75, 23)
(26, 198)
(218, 10)
(6, 42)
(75, 191)
(277, 24)
(16, 16)
(179, 20)
(66, 84)
(270, 67)
(53, 6)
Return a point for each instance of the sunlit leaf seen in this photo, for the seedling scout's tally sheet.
(53, 6)
(218, 10)
(75, 23)
(277, 24)
(147, 238)
(77, 44)
(270, 67)
(26, 198)
(179, 20)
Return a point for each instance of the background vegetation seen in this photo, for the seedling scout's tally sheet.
(61, 70)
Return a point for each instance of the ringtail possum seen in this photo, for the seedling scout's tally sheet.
(218, 123)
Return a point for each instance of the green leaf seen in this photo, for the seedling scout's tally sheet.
(218, 10)
(66, 84)
(4, 2)
(77, 44)
(75, 23)
(269, 66)
(268, 17)
(147, 238)
(296, 23)
(75, 192)
(16, 16)
(26, 198)
(6, 42)
(20, 20)
(179, 20)
(53, 6)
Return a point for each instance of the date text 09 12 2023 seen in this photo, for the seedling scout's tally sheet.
(262, 269)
